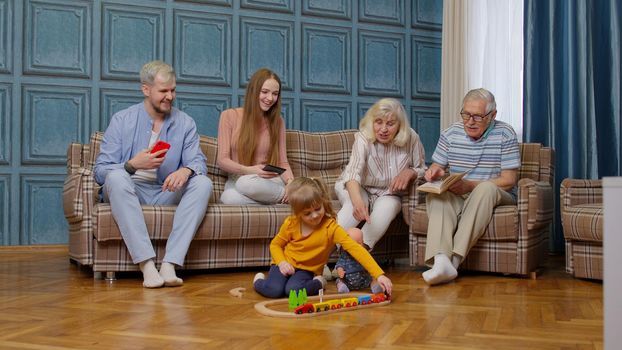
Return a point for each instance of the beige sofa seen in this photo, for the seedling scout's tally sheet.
(230, 235)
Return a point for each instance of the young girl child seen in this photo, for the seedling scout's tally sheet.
(301, 248)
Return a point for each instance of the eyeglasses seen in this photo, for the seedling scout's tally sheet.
(476, 117)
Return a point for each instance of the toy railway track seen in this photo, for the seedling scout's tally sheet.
(331, 304)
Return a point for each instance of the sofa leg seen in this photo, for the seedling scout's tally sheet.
(110, 276)
(533, 275)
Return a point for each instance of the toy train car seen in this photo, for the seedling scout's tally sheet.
(336, 304)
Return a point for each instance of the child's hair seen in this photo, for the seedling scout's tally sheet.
(307, 192)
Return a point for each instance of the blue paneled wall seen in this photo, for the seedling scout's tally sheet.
(67, 65)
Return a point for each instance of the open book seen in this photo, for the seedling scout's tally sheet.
(441, 185)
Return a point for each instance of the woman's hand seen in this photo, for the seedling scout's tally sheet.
(258, 170)
(401, 181)
(286, 268)
(386, 284)
(360, 211)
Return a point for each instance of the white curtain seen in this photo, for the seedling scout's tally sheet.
(483, 47)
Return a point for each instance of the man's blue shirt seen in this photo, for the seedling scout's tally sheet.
(129, 133)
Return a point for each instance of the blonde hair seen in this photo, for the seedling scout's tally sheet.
(308, 192)
(151, 69)
(383, 109)
(251, 117)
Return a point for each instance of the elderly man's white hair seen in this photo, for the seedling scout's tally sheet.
(481, 94)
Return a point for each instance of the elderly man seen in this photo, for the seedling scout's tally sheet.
(488, 150)
(131, 174)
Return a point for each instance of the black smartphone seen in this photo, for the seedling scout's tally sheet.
(274, 169)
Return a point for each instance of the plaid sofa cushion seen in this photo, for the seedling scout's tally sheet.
(583, 222)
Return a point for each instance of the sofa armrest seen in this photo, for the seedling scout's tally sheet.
(535, 203)
(414, 198)
(579, 191)
(80, 193)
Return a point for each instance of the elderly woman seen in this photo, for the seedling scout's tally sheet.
(386, 156)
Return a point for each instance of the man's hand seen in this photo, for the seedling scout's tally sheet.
(286, 268)
(341, 272)
(462, 187)
(386, 284)
(401, 181)
(176, 180)
(434, 172)
(146, 160)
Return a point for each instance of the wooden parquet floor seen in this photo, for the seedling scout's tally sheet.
(48, 303)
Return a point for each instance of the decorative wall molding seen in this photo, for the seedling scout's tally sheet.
(53, 117)
(268, 45)
(5, 124)
(6, 36)
(326, 115)
(381, 63)
(202, 48)
(427, 14)
(328, 8)
(41, 222)
(326, 59)
(205, 109)
(132, 35)
(382, 11)
(5, 191)
(426, 69)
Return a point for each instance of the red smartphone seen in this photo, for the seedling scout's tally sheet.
(160, 145)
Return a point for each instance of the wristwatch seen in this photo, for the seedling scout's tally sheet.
(191, 171)
(129, 168)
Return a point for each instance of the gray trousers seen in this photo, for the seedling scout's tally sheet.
(457, 222)
(253, 189)
(126, 196)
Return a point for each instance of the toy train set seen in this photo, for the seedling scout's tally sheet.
(336, 304)
(318, 305)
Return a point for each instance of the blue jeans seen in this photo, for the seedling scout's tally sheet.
(277, 285)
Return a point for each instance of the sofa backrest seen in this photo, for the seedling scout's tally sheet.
(537, 162)
(320, 154)
(313, 154)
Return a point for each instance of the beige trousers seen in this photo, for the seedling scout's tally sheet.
(457, 222)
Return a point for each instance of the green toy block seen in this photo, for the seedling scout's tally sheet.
(293, 300)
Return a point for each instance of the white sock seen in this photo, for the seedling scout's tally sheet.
(327, 274)
(456, 260)
(322, 280)
(167, 271)
(151, 277)
(259, 276)
(441, 272)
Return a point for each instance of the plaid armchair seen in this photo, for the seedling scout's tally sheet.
(582, 220)
(230, 235)
(516, 240)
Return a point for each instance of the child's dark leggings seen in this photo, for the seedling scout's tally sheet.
(276, 285)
